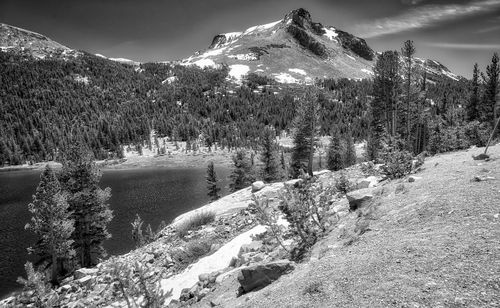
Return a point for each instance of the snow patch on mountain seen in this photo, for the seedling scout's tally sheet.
(298, 71)
(203, 63)
(364, 70)
(351, 57)
(214, 262)
(261, 27)
(244, 57)
(237, 71)
(330, 33)
(285, 78)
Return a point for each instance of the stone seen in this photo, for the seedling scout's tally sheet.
(253, 246)
(368, 182)
(258, 276)
(293, 182)
(413, 178)
(359, 198)
(203, 293)
(203, 277)
(257, 185)
(64, 288)
(481, 156)
(224, 276)
(86, 281)
(82, 272)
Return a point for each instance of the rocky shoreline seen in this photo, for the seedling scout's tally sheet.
(236, 241)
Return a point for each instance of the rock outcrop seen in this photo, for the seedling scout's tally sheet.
(258, 276)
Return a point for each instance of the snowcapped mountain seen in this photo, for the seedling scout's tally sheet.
(294, 49)
(26, 42)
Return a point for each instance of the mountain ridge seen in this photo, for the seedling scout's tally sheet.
(294, 49)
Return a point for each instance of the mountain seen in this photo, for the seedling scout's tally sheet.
(294, 49)
(24, 42)
(297, 49)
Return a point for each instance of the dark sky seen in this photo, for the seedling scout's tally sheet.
(457, 33)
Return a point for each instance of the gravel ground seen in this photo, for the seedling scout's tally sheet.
(434, 242)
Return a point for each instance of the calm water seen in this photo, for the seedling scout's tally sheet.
(154, 194)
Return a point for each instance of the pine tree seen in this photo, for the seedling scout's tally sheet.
(350, 151)
(242, 174)
(408, 51)
(386, 87)
(51, 222)
(472, 106)
(334, 155)
(88, 203)
(489, 109)
(269, 156)
(213, 190)
(306, 126)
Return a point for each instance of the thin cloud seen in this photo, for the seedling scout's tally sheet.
(466, 46)
(425, 16)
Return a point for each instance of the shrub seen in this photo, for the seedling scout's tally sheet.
(265, 215)
(138, 285)
(190, 253)
(36, 289)
(194, 222)
(397, 164)
(477, 133)
(342, 184)
(305, 207)
(314, 288)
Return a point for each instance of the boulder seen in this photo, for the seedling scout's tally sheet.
(359, 198)
(86, 281)
(368, 182)
(257, 185)
(258, 276)
(82, 272)
(414, 178)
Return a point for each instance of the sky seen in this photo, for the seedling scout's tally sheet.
(458, 33)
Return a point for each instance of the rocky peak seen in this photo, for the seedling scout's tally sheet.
(302, 18)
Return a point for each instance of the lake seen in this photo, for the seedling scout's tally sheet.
(154, 194)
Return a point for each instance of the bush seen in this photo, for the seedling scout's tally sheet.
(190, 253)
(36, 289)
(267, 216)
(194, 222)
(477, 133)
(397, 164)
(342, 184)
(138, 285)
(305, 207)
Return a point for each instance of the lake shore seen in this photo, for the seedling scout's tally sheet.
(177, 160)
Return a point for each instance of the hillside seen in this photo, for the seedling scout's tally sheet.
(427, 240)
(430, 243)
(25, 42)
